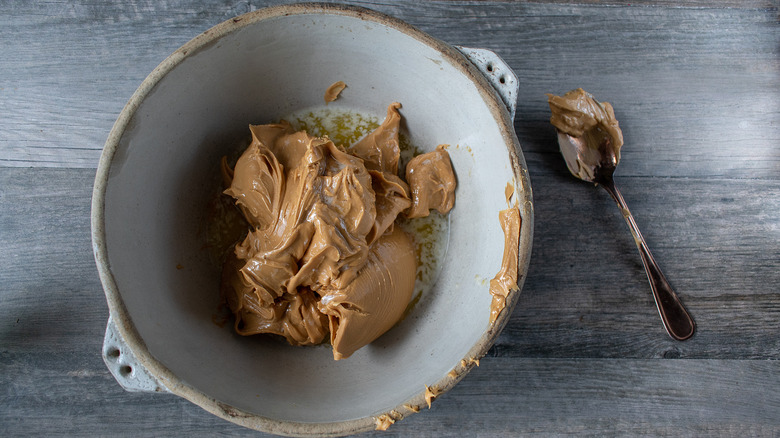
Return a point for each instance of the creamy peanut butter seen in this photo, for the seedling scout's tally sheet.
(430, 395)
(505, 280)
(381, 149)
(465, 363)
(321, 256)
(372, 303)
(432, 182)
(578, 114)
(383, 422)
(333, 92)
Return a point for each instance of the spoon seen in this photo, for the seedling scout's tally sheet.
(592, 155)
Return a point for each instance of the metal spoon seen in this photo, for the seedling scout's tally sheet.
(676, 319)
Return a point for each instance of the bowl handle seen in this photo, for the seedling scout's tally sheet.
(497, 72)
(122, 363)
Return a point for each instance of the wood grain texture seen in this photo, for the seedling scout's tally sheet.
(696, 88)
(671, 64)
(503, 397)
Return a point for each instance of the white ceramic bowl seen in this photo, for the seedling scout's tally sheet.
(157, 171)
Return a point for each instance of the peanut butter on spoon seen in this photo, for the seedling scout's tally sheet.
(578, 115)
(590, 139)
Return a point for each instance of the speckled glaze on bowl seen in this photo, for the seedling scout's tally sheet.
(155, 176)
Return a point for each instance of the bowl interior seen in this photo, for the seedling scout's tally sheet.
(164, 172)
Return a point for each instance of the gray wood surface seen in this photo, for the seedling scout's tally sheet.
(696, 87)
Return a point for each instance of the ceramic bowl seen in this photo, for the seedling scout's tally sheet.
(157, 172)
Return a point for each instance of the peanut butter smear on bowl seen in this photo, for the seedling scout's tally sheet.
(505, 280)
(322, 258)
(333, 92)
(384, 421)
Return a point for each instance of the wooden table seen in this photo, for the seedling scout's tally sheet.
(696, 88)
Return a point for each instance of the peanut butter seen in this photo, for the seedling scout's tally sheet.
(381, 149)
(333, 92)
(505, 280)
(432, 182)
(578, 114)
(383, 422)
(322, 255)
(430, 395)
(372, 303)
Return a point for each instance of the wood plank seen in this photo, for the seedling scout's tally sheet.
(733, 4)
(72, 394)
(697, 90)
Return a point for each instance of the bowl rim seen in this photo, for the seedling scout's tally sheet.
(118, 311)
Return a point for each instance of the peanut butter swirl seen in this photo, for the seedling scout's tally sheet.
(432, 182)
(322, 255)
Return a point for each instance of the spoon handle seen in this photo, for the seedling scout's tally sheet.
(676, 319)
